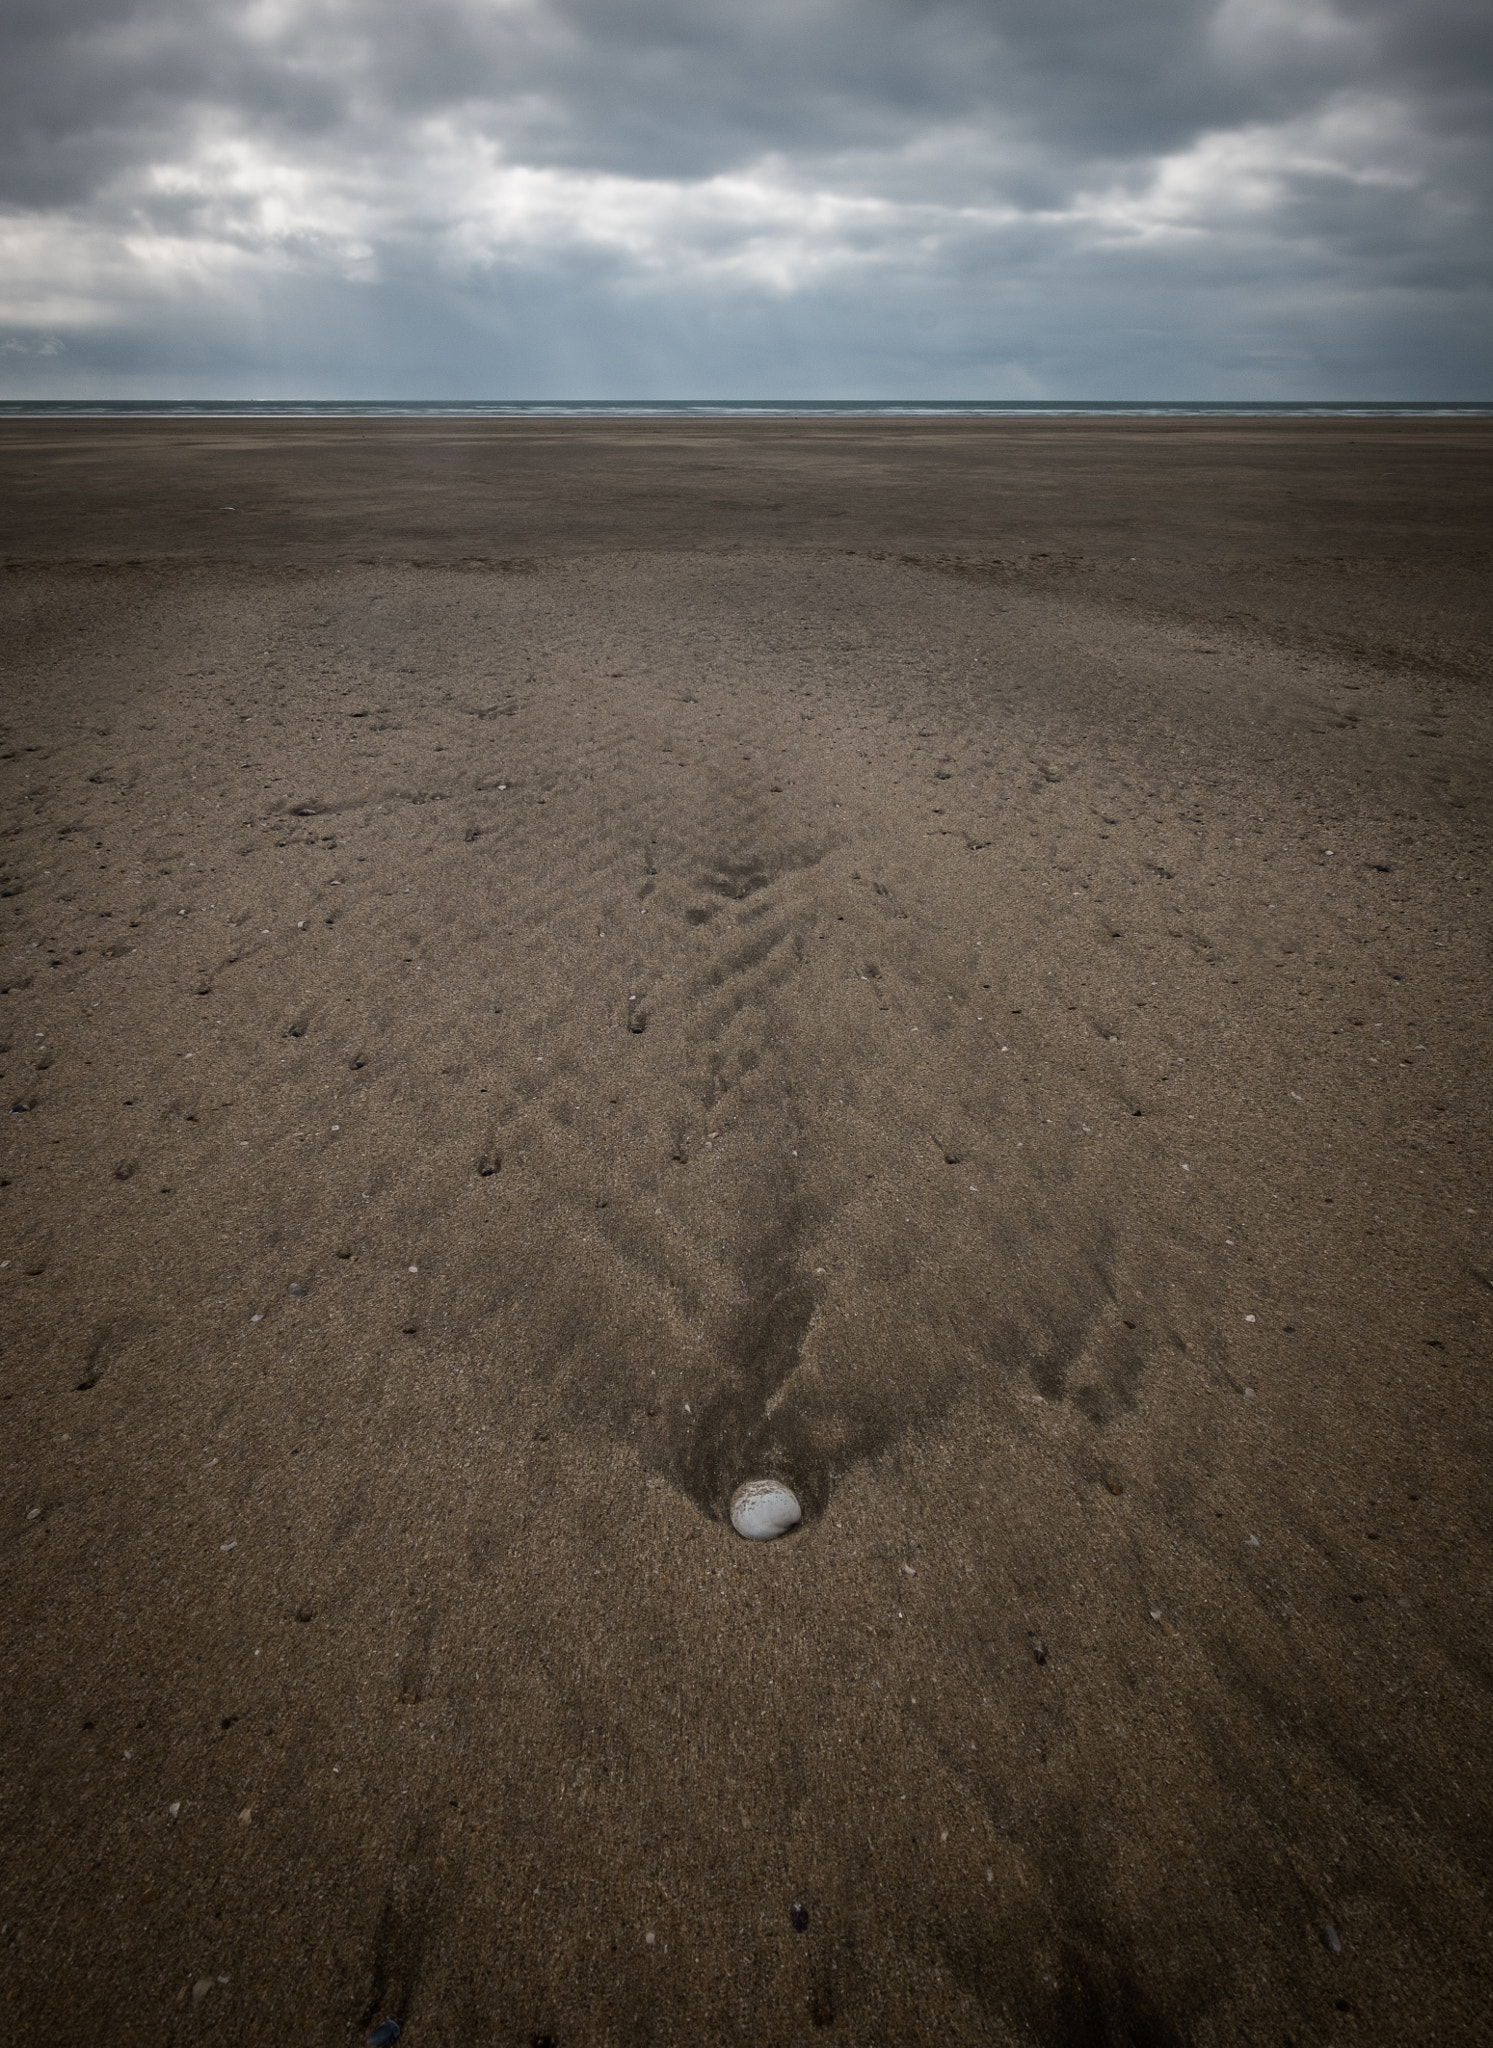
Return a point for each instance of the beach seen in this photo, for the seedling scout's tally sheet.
(552, 969)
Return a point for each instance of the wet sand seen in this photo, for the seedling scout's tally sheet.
(552, 969)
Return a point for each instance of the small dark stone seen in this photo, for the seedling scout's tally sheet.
(385, 2034)
(1327, 1935)
(305, 1614)
(637, 1020)
(1040, 1655)
(799, 1915)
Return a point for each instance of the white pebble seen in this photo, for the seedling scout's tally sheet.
(763, 1508)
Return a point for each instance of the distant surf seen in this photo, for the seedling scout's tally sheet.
(732, 408)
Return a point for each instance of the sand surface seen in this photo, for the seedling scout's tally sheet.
(549, 970)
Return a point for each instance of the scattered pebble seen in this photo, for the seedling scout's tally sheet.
(1327, 1935)
(799, 1915)
(296, 1291)
(200, 1989)
(764, 1508)
(385, 2034)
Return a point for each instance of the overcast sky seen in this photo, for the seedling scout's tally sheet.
(746, 198)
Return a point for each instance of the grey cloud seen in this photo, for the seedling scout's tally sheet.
(938, 193)
(693, 87)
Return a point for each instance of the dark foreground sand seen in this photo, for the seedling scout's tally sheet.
(549, 970)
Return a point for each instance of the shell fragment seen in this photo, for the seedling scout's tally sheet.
(762, 1509)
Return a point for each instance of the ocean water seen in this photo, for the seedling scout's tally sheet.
(728, 408)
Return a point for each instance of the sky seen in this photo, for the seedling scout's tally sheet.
(752, 199)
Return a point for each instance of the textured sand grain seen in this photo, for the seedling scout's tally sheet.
(530, 1001)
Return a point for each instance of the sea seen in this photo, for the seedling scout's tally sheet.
(733, 409)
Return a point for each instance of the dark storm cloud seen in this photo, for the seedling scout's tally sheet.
(852, 181)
